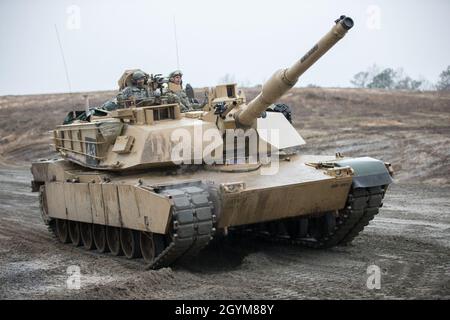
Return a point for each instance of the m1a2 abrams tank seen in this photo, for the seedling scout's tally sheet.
(154, 182)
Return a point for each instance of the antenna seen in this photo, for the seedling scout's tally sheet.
(65, 65)
(176, 41)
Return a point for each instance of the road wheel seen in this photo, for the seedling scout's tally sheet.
(297, 227)
(130, 242)
(113, 240)
(329, 222)
(100, 238)
(273, 228)
(62, 230)
(148, 248)
(74, 233)
(87, 236)
(322, 227)
(303, 227)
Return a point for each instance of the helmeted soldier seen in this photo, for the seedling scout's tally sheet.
(137, 92)
(176, 77)
(175, 86)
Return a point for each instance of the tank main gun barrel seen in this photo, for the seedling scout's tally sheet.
(283, 80)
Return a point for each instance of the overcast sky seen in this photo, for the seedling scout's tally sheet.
(249, 39)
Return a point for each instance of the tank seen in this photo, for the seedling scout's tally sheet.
(157, 183)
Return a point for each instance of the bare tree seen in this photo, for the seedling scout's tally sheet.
(360, 79)
(227, 79)
(444, 80)
(375, 78)
(383, 80)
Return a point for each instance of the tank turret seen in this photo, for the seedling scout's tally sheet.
(283, 80)
(143, 137)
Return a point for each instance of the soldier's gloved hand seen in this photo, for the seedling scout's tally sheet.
(157, 94)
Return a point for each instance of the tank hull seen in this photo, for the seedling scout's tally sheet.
(210, 201)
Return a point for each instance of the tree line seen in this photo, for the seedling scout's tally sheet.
(388, 78)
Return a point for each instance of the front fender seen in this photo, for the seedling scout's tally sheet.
(369, 172)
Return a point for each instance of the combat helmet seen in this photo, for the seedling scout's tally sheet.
(138, 75)
(126, 80)
(175, 73)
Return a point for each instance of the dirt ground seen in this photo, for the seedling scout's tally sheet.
(409, 240)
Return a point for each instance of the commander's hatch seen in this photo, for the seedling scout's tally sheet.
(276, 130)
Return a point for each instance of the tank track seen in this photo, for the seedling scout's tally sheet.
(192, 227)
(361, 207)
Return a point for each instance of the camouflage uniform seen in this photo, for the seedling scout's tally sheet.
(134, 93)
(183, 99)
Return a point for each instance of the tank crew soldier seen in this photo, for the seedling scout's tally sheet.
(137, 92)
(175, 86)
(176, 78)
